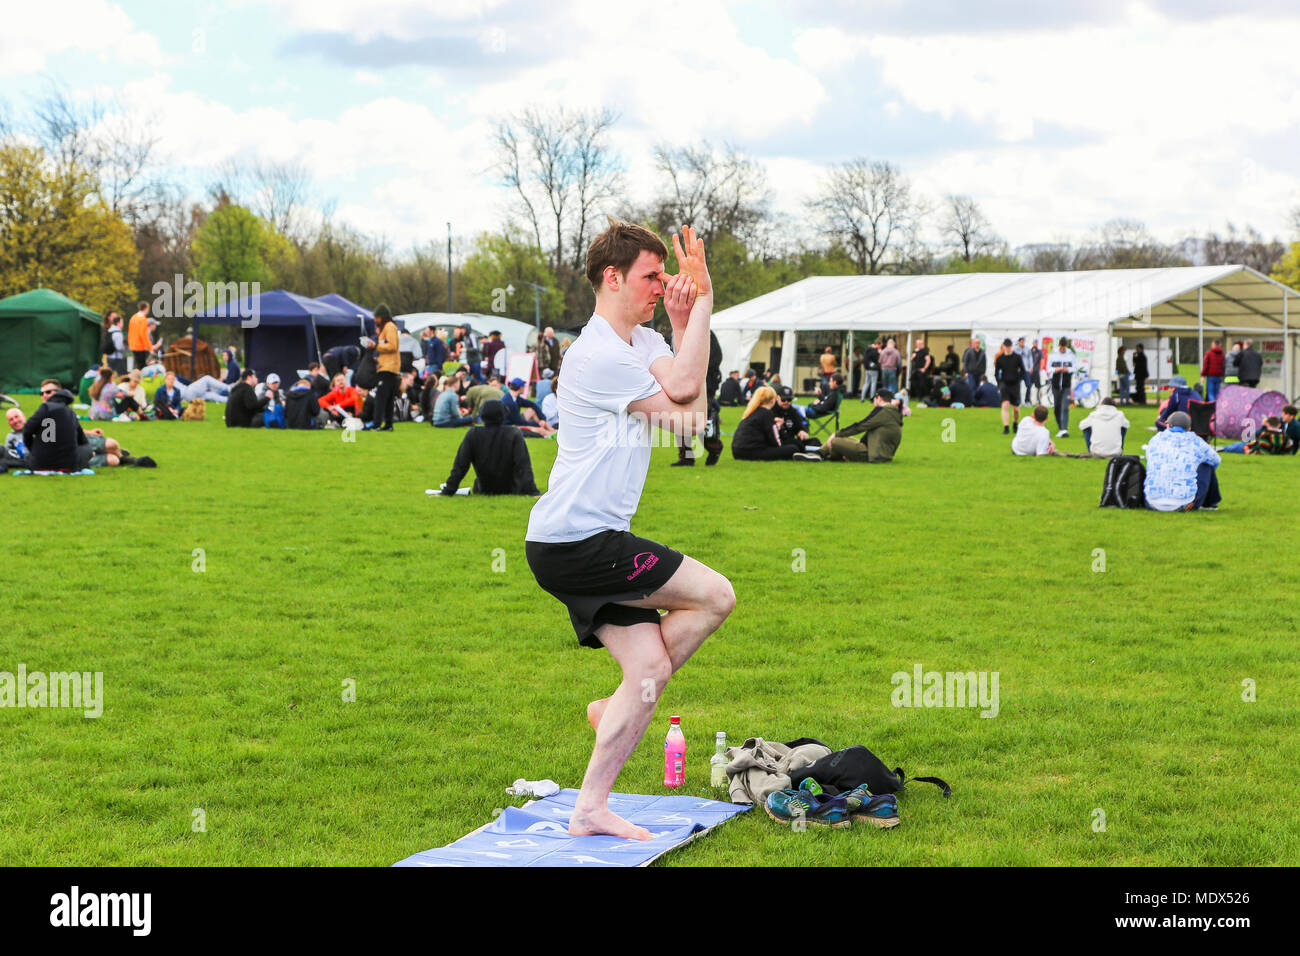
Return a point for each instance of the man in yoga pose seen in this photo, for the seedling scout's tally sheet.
(620, 380)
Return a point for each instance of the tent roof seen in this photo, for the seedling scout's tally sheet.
(278, 307)
(45, 301)
(1234, 297)
(347, 305)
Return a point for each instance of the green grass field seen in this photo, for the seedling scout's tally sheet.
(1121, 691)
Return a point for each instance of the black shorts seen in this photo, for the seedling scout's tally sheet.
(591, 576)
(1010, 393)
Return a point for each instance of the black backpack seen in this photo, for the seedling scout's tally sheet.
(845, 769)
(106, 344)
(1125, 477)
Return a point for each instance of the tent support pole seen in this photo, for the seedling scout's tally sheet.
(847, 363)
(904, 378)
(1200, 336)
(194, 347)
(1286, 348)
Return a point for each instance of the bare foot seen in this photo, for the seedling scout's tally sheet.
(596, 710)
(605, 821)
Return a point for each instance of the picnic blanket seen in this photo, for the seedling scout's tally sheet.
(537, 834)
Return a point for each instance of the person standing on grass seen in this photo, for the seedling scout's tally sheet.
(1140, 373)
(1061, 365)
(1212, 366)
(620, 378)
(974, 364)
(1010, 372)
(137, 335)
(388, 363)
(890, 359)
(1250, 365)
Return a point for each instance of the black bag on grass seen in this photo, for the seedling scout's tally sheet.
(1125, 478)
(846, 769)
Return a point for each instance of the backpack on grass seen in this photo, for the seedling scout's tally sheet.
(1125, 478)
(846, 769)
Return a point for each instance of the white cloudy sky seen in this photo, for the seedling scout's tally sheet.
(1056, 117)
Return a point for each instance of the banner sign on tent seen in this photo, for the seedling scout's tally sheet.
(1271, 351)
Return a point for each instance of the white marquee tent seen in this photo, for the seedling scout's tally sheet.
(1228, 301)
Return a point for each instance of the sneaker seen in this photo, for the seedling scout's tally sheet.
(788, 806)
(877, 811)
(682, 461)
(1062, 433)
(810, 785)
(1006, 430)
(713, 458)
(807, 456)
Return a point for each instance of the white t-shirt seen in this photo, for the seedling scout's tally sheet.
(1031, 438)
(604, 454)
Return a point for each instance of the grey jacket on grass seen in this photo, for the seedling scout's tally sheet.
(759, 767)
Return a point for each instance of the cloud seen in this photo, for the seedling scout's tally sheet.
(34, 32)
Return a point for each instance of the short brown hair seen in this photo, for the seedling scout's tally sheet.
(51, 381)
(1040, 413)
(619, 246)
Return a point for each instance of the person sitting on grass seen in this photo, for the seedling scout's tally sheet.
(476, 395)
(882, 432)
(524, 414)
(243, 407)
(1032, 435)
(54, 438)
(1271, 440)
(1181, 469)
(341, 401)
(793, 430)
(987, 395)
(755, 438)
(302, 407)
(729, 394)
(130, 400)
(1292, 429)
(103, 396)
(1104, 430)
(498, 455)
(14, 454)
(551, 404)
(446, 408)
(167, 400)
(1179, 400)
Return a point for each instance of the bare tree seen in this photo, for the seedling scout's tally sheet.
(713, 191)
(869, 208)
(117, 148)
(278, 192)
(1247, 248)
(561, 169)
(966, 227)
(1126, 244)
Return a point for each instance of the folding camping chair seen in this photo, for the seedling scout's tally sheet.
(1202, 415)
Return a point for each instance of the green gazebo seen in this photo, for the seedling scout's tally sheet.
(46, 335)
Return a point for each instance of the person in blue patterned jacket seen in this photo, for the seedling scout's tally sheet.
(1181, 469)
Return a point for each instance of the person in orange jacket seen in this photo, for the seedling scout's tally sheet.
(137, 336)
(342, 398)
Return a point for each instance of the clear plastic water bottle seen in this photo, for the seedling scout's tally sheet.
(718, 762)
(675, 755)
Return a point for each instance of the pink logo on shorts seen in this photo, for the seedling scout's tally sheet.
(650, 562)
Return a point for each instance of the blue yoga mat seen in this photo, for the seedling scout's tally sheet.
(538, 834)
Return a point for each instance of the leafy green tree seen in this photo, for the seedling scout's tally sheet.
(233, 245)
(500, 260)
(1287, 270)
(55, 232)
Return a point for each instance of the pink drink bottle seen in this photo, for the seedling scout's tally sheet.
(675, 755)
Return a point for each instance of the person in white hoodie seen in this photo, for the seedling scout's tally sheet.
(1104, 430)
